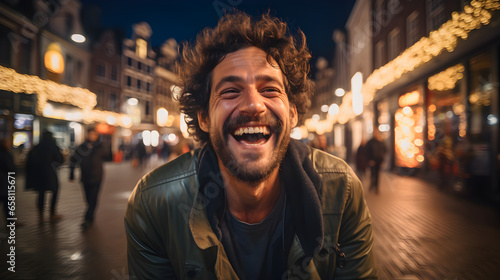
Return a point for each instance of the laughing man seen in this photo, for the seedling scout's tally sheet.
(251, 203)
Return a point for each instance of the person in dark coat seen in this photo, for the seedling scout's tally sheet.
(361, 161)
(375, 151)
(90, 157)
(41, 173)
(6, 166)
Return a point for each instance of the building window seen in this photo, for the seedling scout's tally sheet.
(412, 35)
(149, 69)
(25, 59)
(114, 73)
(138, 84)
(5, 47)
(68, 72)
(148, 87)
(435, 14)
(380, 54)
(79, 73)
(69, 24)
(379, 7)
(112, 101)
(101, 70)
(139, 65)
(394, 44)
(146, 108)
(129, 81)
(129, 61)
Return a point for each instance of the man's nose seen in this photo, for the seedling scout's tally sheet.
(253, 103)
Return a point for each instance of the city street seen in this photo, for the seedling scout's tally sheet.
(420, 233)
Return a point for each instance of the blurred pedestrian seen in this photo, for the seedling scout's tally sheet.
(140, 153)
(90, 157)
(361, 160)
(41, 173)
(375, 152)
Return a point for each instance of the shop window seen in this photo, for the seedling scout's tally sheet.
(447, 122)
(482, 88)
(408, 131)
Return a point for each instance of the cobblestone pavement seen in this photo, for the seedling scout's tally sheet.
(420, 233)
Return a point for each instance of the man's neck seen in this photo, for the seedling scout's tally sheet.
(251, 202)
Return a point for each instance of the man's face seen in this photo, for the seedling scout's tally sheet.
(249, 117)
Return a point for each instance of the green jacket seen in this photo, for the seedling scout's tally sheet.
(169, 235)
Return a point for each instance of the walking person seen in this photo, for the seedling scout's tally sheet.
(361, 161)
(252, 203)
(41, 173)
(375, 151)
(90, 157)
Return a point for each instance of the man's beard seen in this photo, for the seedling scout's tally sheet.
(243, 170)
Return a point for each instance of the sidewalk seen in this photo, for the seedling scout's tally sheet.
(61, 250)
(420, 233)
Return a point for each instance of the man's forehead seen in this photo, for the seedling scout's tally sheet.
(247, 58)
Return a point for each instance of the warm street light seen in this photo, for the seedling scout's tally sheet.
(339, 92)
(132, 101)
(324, 108)
(162, 116)
(78, 38)
(333, 110)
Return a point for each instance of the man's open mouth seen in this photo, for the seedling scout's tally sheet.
(252, 135)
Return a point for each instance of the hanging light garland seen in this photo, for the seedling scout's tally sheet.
(474, 16)
(47, 90)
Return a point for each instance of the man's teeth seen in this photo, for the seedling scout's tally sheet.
(251, 130)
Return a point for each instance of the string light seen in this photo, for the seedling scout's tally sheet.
(474, 16)
(47, 90)
(447, 79)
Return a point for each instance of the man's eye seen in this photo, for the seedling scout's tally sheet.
(230, 93)
(271, 92)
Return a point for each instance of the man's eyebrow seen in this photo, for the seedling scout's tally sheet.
(268, 78)
(228, 79)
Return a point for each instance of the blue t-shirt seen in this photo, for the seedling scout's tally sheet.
(254, 241)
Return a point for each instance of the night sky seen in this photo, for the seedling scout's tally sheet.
(182, 20)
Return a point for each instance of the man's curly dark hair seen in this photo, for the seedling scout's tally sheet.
(236, 31)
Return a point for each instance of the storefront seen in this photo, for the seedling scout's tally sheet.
(462, 124)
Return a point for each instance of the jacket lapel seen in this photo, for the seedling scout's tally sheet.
(211, 248)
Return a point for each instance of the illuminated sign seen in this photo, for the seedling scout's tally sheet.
(410, 98)
(54, 61)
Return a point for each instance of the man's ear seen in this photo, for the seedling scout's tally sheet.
(203, 121)
(294, 117)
